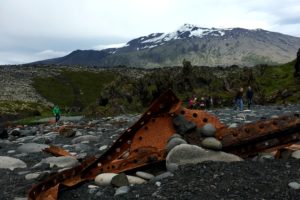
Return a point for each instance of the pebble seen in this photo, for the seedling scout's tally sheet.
(144, 175)
(294, 185)
(103, 147)
(32, 176)
(296, 154)
(122, 190)
(31, 148)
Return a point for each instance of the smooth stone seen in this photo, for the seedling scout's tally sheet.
(211, 143)
(104, 179)
(208, 130)
(192, 154)
(233, 125)
(103, 147)
(274, 117)
(175, 135)
(82, 147)
(11, 163)
(296, 154)
(32, 176)
(144, 175)
(120, 180)
(93, 186)
(162, 176)
(31, 148)
(294, 185)
(25, 139)
(135, 180)
(158, 184)
(89, 138)
(122, 190)
(265, 156)
(62, 162)
(174, 142)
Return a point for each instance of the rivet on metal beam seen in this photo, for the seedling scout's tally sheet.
(266, 143)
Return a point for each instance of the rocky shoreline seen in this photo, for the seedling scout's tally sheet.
(22, 163)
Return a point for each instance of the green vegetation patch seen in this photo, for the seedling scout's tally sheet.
(73, 88)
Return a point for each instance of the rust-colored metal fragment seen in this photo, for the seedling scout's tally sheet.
(57, 151)
(144, 143)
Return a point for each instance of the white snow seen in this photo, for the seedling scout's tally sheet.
(195, 31)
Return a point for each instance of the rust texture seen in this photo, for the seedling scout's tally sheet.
(144, 143)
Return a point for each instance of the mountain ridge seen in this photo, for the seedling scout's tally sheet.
(202, 46)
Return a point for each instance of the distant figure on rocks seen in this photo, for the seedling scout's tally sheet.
(297, 65)
(239, 99)
(249, 97)
(56, 112)
(202, 103)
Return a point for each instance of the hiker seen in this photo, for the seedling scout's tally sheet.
(202, 103)
(56, 112)
(239, 99)
(249, 97)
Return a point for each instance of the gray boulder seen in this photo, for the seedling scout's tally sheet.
(11, 163)
(192, 154)
(208, 130)
(174, 142)
(211, 143)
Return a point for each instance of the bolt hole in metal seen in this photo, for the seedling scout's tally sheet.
(195, 115)
(146, 128)
(205, 120)
(140, 138)
(182, 112)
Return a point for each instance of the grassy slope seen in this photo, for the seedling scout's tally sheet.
(72, 88)
(279, 78)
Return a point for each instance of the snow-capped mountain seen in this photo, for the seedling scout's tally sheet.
(202, 46)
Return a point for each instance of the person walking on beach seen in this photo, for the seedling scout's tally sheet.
(239, 99)
(249, 97)
(56, 112)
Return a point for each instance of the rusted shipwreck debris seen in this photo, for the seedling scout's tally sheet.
(145, 142)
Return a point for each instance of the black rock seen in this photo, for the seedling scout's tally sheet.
(120, 180)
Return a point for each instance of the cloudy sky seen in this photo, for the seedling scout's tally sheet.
(33, 30)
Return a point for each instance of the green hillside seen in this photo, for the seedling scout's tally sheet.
(73, 89)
